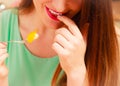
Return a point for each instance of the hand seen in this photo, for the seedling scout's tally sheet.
(3, 68)
(70, 46)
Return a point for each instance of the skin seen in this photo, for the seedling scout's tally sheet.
(3, 69)
(116, 10)
(61, 38)
(74, 66)
(116, 14)
(15, 3)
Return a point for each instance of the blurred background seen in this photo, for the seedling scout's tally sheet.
(7, 2)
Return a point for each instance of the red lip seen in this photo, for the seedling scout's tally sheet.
(51, 15)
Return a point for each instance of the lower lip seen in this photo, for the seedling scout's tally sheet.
(51, 15)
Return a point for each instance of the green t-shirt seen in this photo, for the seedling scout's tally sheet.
(24, 68)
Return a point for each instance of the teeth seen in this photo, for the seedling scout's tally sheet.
(55, 13)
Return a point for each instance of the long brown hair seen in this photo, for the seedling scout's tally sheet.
(101, 52)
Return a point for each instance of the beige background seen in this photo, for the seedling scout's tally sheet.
(7, 2)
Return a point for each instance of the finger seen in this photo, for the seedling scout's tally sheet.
(3, 71)
(3, 57)
(71, 25)
(2, 51)
(3, 45)
(62, 41)
(66, 33)
(58, 48)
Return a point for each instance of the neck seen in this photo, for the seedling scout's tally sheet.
(42, 46)
(116, 10)
(32, 21)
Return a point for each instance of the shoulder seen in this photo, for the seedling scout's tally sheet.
(8, 13)
(7, 16)
(7, 19)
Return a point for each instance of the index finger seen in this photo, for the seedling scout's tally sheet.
(71, 25)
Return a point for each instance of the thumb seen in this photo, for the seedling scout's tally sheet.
(3, 71)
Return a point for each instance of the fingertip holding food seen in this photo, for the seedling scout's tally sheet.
(58, 17)
(32, 36)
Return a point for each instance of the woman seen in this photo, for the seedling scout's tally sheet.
(80, 33)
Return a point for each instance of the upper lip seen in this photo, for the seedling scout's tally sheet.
(55, 12)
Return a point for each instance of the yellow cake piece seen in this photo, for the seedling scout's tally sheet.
(32, 36)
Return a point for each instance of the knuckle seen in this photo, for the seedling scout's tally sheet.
(58, 36)
(55, 39)
(76, 42)
(61, 30)
(71, 47)
(66, 53)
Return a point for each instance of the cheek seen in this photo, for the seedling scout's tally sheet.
(76, 7)
(38, 4)
(41, 1)
(75, 10)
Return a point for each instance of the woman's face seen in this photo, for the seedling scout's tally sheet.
(48, 10)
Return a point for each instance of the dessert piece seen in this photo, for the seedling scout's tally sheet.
(32, 36)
